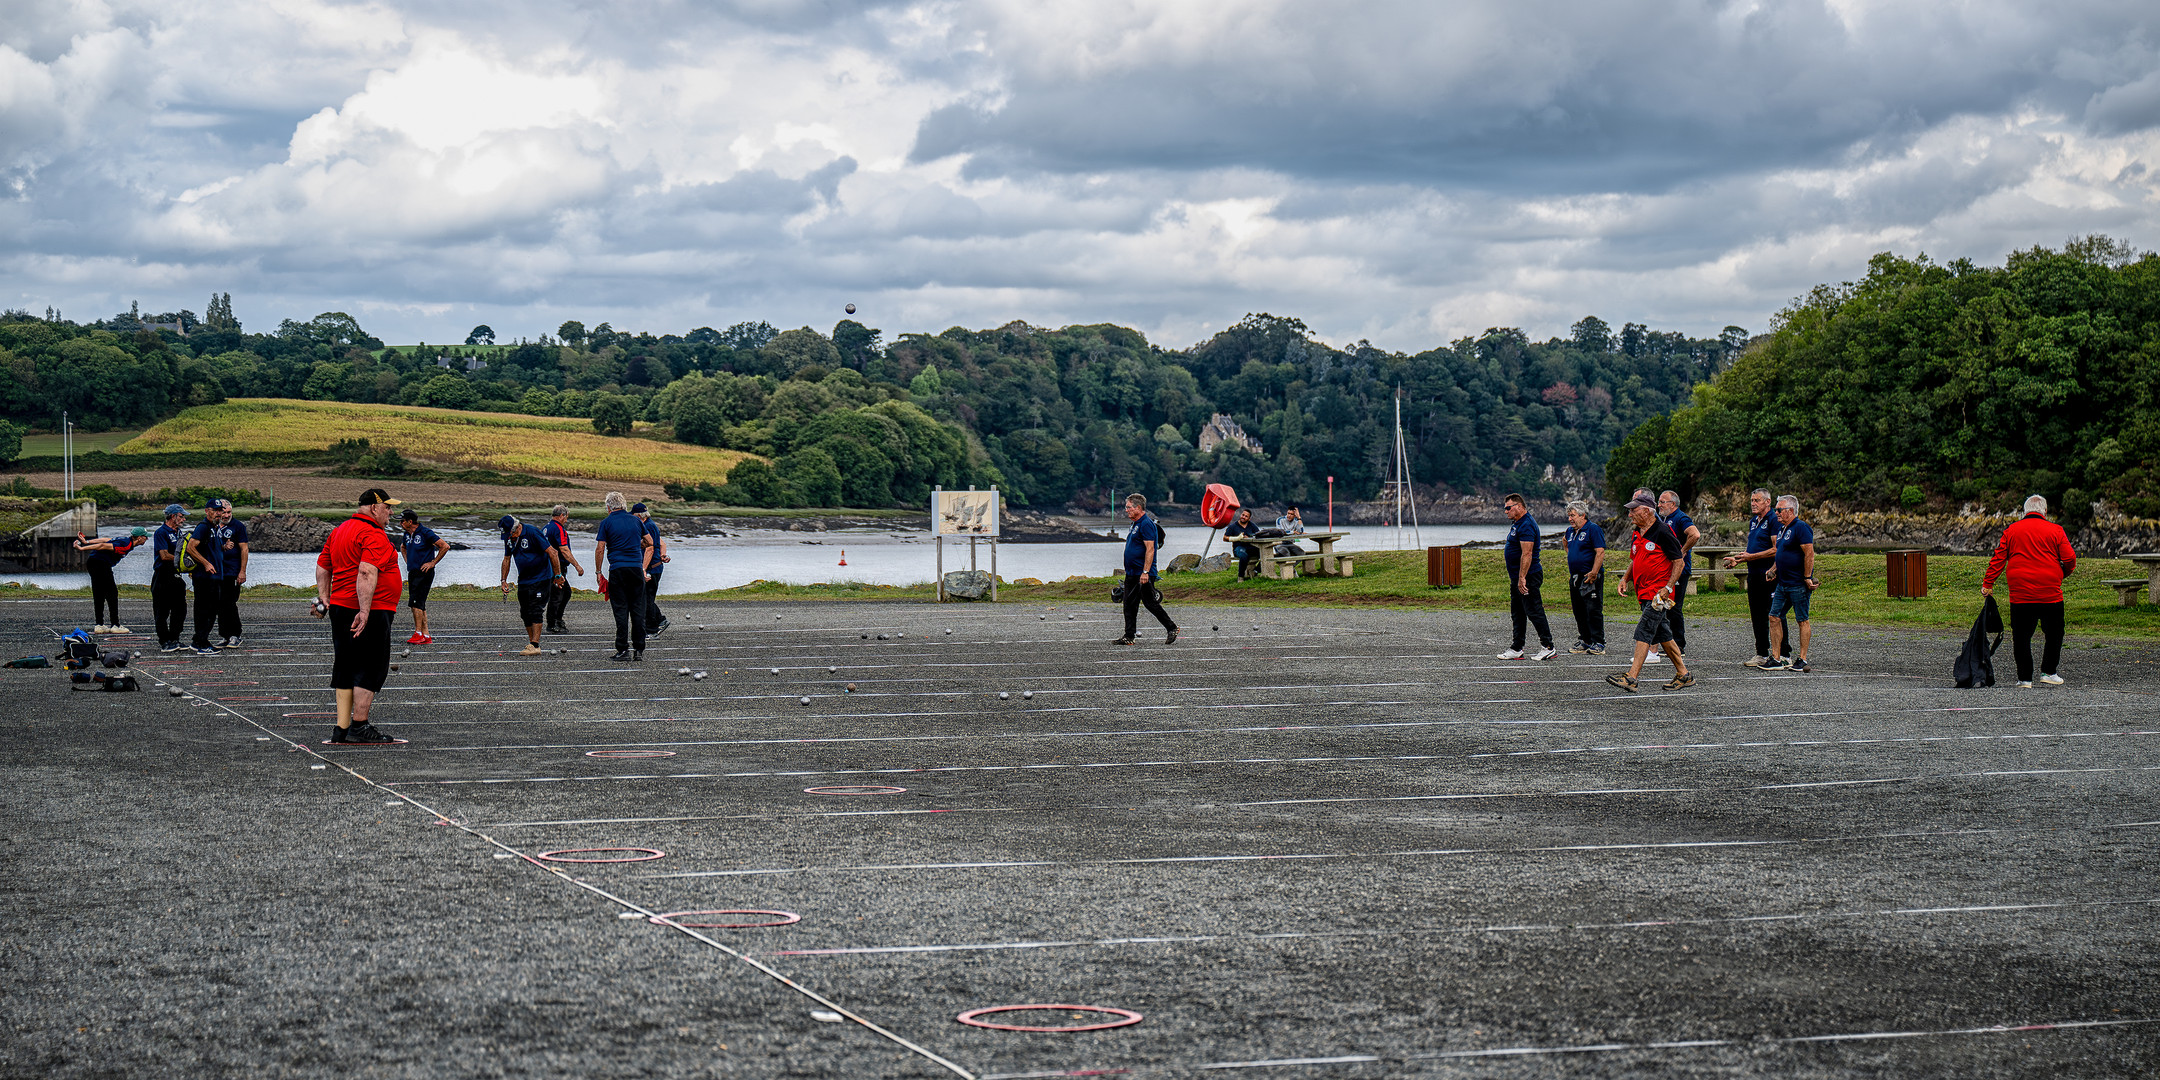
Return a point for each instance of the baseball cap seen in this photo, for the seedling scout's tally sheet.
(377, 495)
(139, 533)
(638, 509)
(216, 504)
(506, 522)
(1642, 498)
(175, 508)
(410, 515)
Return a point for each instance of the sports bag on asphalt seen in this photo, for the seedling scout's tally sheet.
(1976, 664)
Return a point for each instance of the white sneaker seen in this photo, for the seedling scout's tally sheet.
(125, 630)
(101, 628)
(1511, 654)
(1546, 653)
(1655, 657)
(2024, 686)
(1754, 661)
(2051, 680)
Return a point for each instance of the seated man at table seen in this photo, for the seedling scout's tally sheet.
(1246, 554)
(1289, 524)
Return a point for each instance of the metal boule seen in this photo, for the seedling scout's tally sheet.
(776, 671)
(682, 671)
(1027, 695)
(806, 701)
(1002, 695)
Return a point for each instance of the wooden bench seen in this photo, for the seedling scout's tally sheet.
(1312, 562)
(2126, 590)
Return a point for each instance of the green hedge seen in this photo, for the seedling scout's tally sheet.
(102, 461)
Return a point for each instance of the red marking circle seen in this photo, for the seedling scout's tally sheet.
(555, 856)
(270, 697)
(629, 753)
(670, 919)
(861, 789)
(1125, 1017)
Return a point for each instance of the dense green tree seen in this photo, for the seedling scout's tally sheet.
(1957, 380)
(612, 414)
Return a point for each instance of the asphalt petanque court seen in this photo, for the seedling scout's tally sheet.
(1298, 843)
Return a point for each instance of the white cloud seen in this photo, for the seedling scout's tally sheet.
(1383, 169)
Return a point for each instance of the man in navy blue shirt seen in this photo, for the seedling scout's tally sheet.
(168, 590)
(538, 569)
(1792, 581)
(1143, 542)
(1586, 570)
(423, 550)
(1761, 548)
(218, 549)
(1683, 526)
(654, 621)
(1526, 600)
(625, 549)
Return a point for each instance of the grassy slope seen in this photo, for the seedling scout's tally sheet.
(1854, 592)
(555, 446)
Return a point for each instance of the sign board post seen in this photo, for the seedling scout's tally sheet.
(971, 513)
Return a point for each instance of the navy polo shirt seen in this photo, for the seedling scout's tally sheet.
(1583, 545)
(1791, 561)
(1680, 523)
(1761, 536)
(528, 548)
(624, 536)
(419, 548)
(1524, 531)
(1141, 532)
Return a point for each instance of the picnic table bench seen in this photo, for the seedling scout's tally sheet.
(1324, 562)
(2126, 590)
(2150, 563)
(1707, 559)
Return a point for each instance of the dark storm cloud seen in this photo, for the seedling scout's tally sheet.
(1580, 95)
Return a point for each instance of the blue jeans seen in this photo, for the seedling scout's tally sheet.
(1793, 598)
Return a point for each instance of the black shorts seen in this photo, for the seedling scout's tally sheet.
(532, 600)
(1654, 628)
(361, 660)
(422, 581)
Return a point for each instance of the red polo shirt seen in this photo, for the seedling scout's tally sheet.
(356, 541)
(2035, 554)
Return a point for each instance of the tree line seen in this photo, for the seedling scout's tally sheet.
(1051, 416)
(1928, 385)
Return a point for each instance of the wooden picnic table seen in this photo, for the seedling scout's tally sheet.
(1323, 562)
(1707, 559)
(2149, 561)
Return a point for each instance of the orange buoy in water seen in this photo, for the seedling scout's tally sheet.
(843, 556)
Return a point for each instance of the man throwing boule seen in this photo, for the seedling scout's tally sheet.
(1654, 569)
(538, 566)
(356, 587)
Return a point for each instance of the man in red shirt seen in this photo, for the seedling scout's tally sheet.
(2036, 555)
(1654, 568)
(356, 585)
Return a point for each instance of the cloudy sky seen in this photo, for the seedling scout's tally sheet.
(1404, 172)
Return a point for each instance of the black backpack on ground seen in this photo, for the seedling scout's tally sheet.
(1976, 665)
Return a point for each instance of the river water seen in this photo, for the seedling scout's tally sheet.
(873, 556)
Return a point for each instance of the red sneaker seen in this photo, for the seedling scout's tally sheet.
(416, 639)
(426, 639)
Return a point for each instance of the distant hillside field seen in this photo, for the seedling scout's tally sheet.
(510, 442)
